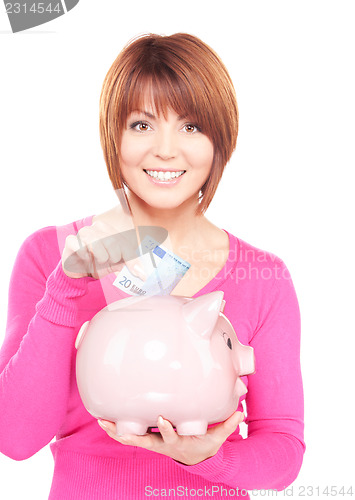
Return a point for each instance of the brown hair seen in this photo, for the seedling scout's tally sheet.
(182, 73)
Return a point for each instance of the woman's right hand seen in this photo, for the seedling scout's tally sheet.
(100, 249)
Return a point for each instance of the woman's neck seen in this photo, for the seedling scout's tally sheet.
(182, 223)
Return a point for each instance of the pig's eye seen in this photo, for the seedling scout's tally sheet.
(227, 340)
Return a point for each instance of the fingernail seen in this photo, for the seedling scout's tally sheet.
(102, 424)
(161, 421)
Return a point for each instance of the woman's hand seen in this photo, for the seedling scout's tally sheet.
(101, 248)
(189, 450)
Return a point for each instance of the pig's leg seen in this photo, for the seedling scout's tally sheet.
(192, 428)
(124, 427)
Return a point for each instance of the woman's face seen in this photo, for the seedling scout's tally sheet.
(164, 161)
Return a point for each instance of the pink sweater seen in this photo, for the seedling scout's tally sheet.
(39, 392)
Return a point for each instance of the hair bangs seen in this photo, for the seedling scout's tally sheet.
(158, 92)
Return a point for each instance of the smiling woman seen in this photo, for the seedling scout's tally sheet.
(166, 152)
(168, 125)
(180, 73)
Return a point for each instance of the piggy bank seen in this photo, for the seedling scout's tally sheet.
(177, 357)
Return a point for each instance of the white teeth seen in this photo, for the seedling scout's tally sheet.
(164, 176)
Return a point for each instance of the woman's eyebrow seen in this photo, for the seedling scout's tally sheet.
(153, 117)
(146, 113)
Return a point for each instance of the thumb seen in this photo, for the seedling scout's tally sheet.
(231, 424)
(226, 428)
(137, 268)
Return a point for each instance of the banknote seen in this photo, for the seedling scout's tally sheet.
(163, 268)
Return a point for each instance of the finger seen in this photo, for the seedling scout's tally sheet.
(106, 425)
(104, 246)
(109, 239)
(223, 430)
(72, 260)
(99, 253)
(167, 431)
(147, 441)
(75, 254)
(110, 429)
(113, 248)
(231, 424)
(136, 267)
(102, 254)
(73, 245)
(91, 249)
(120, 247)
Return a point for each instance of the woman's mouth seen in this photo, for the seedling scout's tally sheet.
(164, 176)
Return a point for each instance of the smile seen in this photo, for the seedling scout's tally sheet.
(164, 176)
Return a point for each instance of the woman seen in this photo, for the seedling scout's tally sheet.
(168, 124)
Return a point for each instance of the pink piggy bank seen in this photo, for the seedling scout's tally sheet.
(178, 357)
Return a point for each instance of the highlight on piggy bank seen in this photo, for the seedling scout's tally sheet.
(178, 357)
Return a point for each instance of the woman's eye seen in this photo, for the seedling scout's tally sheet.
(190, 128)
(140, 126)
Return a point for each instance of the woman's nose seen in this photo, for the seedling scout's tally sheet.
(165, 145)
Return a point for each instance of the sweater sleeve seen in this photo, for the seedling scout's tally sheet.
(271, 456)
(36, 352)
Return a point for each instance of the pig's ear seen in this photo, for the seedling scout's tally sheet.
(201, 314)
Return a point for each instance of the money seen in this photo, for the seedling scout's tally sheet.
(163, 268)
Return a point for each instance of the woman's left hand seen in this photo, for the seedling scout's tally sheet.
(189, 450)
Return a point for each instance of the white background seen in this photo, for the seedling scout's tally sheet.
(288, 188)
